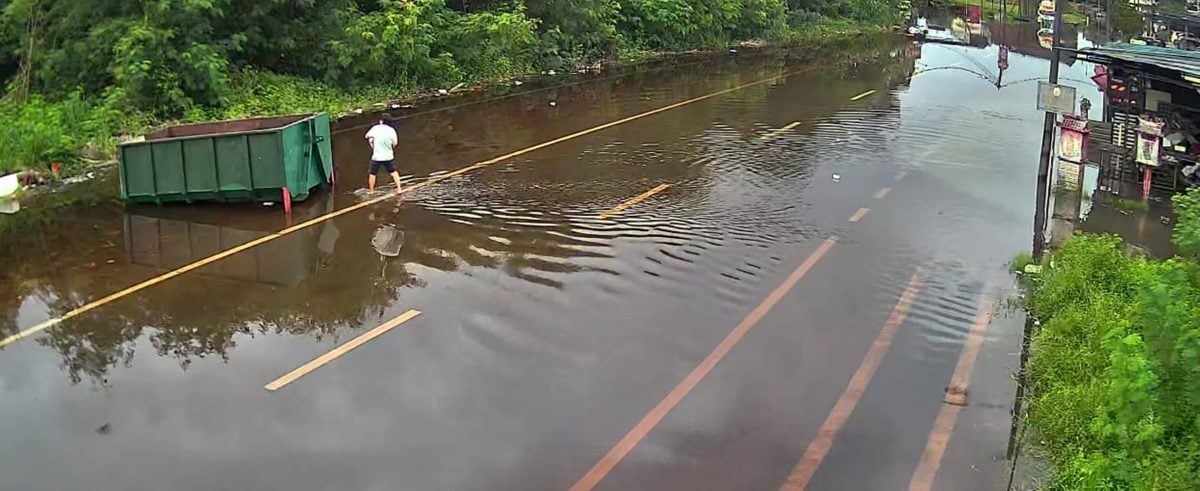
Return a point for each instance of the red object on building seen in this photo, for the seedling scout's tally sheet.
(1146, 183)
(1101, 76)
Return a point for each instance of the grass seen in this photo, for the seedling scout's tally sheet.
(988, 8)
(1129, 205)
(1022, 259)
(1114, 370)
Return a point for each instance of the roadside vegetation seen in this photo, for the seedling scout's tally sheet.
(1114, 369)
(79, 75)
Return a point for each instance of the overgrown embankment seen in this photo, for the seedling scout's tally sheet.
(1114, 370)
(79, 75)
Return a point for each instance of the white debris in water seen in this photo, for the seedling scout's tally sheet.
(358, 111)
(443, 92)
(518, 83)
(268, 203)
(837, 177)
(553, 104)
(551, 73)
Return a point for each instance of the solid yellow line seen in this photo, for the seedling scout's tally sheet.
(860, 96)
(858, 215)
(638, 199)
(340, 350)
(780, 131)
(883, 193)
(329, 216)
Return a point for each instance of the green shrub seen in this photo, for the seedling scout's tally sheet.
(37, 132)
(1115, 368)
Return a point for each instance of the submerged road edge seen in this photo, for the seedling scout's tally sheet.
(822, 442)
(955, 400)
(358, 206)
(631, 439)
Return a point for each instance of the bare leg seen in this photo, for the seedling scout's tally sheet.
(371, 183)
(396, 179)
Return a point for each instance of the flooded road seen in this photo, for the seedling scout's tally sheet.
(827, 242)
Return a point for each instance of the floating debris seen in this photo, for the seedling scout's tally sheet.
(837, 177)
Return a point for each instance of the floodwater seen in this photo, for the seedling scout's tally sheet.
(548, 336)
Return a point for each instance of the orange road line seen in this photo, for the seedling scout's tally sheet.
(901, 175)
(780, 131)
(955, 400)
(883, 193)
(320, 361)
(329, 216)
(643, 427)
(638, 199)
(819, 447)
(858, 215)
(862, 95)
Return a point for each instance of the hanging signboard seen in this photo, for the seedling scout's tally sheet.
(1055, 98)
(1149, 140)
(1072, 139)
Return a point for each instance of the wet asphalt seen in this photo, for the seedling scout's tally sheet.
(548, 335)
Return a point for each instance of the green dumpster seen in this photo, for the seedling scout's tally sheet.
(246, 159)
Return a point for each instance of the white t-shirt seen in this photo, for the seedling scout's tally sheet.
(383, 138)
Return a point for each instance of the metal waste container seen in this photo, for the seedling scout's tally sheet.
(259, 159)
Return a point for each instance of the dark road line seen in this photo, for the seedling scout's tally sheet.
(635, 200)
(342, 349)
(955, 400)
(820, 445)
(656, 414)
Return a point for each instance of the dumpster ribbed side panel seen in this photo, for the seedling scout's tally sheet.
(228, 160)
(233, 163)
(168, 168)
(137, 171)
(200, 166)
(266, 161)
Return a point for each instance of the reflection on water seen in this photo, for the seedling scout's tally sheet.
(739, 202)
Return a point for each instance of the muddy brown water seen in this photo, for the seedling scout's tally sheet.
(546, 332)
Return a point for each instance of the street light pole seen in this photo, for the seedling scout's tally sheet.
(1043, 179)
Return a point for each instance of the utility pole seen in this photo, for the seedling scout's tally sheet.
(1043, 179)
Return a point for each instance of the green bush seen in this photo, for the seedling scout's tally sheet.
(88, 71)
(38, 132)
(1115, 368)
(689, 24)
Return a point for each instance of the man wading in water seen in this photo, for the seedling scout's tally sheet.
(383, 140)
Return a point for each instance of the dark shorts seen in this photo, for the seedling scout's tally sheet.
(382, 164)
